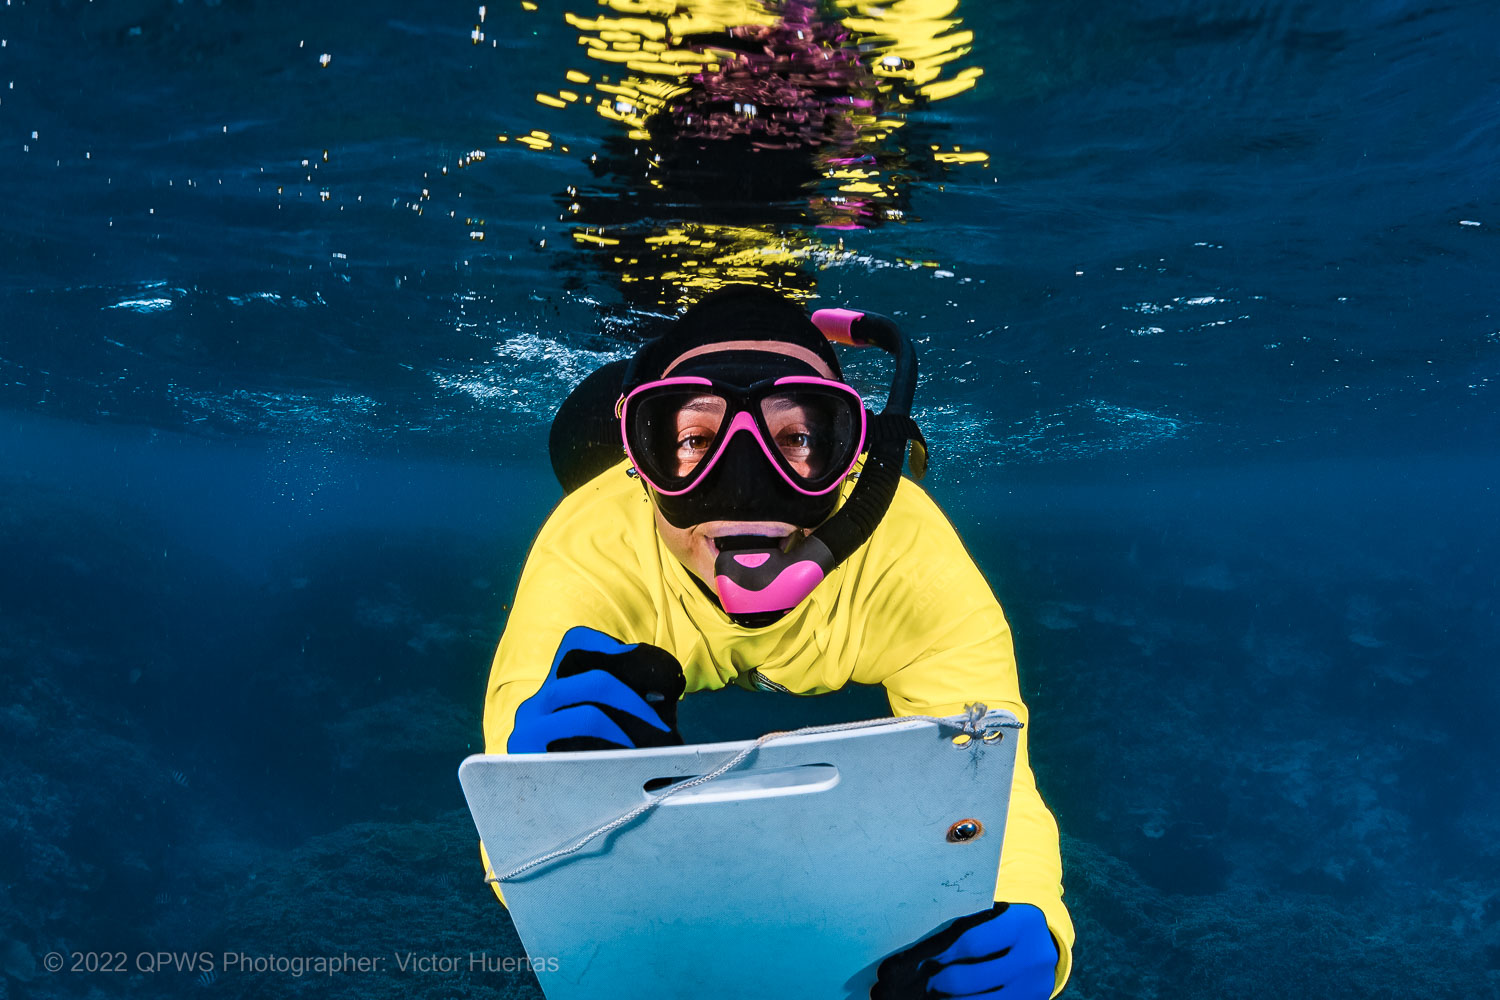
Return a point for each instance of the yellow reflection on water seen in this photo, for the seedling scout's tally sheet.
(805, 99)
(679, 264)
(907, 47)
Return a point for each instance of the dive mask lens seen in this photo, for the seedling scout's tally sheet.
(815, 432)
(811, 430)
(671, 433)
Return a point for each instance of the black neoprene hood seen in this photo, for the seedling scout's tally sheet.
(733, 313)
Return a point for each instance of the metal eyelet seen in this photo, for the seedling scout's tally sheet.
(964, 831)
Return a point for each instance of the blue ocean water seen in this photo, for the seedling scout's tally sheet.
(1206, 302)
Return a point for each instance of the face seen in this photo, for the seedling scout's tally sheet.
(698, 423)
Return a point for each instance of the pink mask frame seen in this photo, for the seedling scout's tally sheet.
(741, 403)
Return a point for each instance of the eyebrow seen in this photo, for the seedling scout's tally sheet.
(702, 404)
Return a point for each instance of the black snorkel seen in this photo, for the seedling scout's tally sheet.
(758, 585)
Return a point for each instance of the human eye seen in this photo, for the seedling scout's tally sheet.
(794, 440)
(694, 439)
(796, 446)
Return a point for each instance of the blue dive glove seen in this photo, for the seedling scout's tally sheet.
(1007, 948)
(601, 694)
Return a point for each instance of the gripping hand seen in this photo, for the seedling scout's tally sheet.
(1005, 951)
(601, 694)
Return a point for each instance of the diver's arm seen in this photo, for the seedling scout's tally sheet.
(599, 693)
(549, 601)
(584, 570)
(945, 643)
(581, 572)
(570, 676)
(941, 683)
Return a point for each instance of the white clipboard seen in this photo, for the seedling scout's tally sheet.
(791, 877)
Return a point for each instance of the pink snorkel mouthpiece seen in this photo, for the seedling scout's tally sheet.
(763, 580)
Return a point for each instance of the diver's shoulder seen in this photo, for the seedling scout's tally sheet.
(914, 522)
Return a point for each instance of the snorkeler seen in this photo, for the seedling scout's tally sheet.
(743, 542)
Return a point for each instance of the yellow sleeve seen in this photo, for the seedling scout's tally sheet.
(951, 638)
(585, 568)
(587, 538)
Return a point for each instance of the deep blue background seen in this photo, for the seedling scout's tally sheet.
(1210, 354)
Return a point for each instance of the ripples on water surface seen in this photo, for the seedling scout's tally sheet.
(1210, 340)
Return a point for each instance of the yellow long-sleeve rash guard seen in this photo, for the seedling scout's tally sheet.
(909, 610)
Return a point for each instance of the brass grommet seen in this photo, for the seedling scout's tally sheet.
(964, 830)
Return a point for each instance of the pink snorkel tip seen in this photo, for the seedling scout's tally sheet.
(837, 325)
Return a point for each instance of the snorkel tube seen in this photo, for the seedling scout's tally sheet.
(756, 586)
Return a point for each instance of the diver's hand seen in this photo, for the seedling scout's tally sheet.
(601, 695)
(1004, 948)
